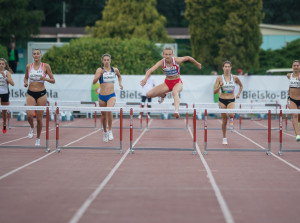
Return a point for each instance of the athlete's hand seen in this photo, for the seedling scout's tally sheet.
(238, 96)
(199, 65)
(102, 71)
(143, 82)
(43, 78)
(25, 84)
(221, 84)
(121, 86)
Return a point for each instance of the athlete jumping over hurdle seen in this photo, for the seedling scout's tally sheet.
(294, 94)
(173, 83)
(226, 83)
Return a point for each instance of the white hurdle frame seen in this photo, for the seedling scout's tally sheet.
(36, 108)
(268, 151)
(286, 111)
(67, 108)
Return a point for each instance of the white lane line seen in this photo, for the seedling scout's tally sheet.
(36, 160)
(273, 154)
(80, 212)
(223, 205)
(286, 162)
(25, 137)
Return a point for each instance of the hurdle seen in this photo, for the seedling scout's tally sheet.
(216, 107)
(179, 128)
(131, 104)
(245, 111)
(276, 105)
(88, 109)
(37, 108)
(286, 111)
(193, 111)
(57, 103)
(10, 115)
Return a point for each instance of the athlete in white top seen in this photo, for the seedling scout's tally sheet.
(227, 83)
(35, 76)
(173, 83)
(294, 94)
(5, 79)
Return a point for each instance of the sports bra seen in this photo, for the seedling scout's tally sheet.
(108, 76)
(35, 75)
(171, 71)
(228, 87)
(294, 82)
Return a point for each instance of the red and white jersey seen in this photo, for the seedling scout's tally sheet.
(171, 71)
(35, 75)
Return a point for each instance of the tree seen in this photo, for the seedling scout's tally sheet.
(173, 10)
(131, 19)
(225, 30)
(140, 53)
(16, 20)
(281, 12)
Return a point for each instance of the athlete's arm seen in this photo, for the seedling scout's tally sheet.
(218, 85)
(288, 75)
(188, 58)
(237, 80)
(152, 69)
(9, 79)
(26, 75)
(119, 77)
(51, 79)
(98, 74)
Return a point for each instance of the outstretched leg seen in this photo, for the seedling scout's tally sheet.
(175, 92)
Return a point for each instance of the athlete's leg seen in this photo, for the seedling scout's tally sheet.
(231, 115)
(224, 119)
(30, 101)
(103, 115)
(4, 113)
(42, 101)
(292, 105)
(175, 92)
(158, 91)
(110, 103)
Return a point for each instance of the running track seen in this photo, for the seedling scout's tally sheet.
(150, 186)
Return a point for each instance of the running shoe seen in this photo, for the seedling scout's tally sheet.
(176, 114)
(37, 142)
(231, 122)
(298, 138)
(224, 141)
(139, 116)
(110, 135)
(148, 116)
(105, 136)
(4, 129)
(30, 134)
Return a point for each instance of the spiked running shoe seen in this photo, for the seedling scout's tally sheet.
(298, 138)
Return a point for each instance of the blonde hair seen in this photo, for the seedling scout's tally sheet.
(169, 48)
(7, 67)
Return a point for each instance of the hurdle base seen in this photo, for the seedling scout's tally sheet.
(27, 147)
(288, 150)
(236, 149)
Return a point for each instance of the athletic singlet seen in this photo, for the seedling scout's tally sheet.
(108, 76)
(171, 71)
(35, 75)
(294, 82)
(228, 87)
(3, 83)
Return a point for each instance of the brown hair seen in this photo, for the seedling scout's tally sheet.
(169, 48)
(105, 55)
(296, 61)
(7, 67)
(227, 61)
